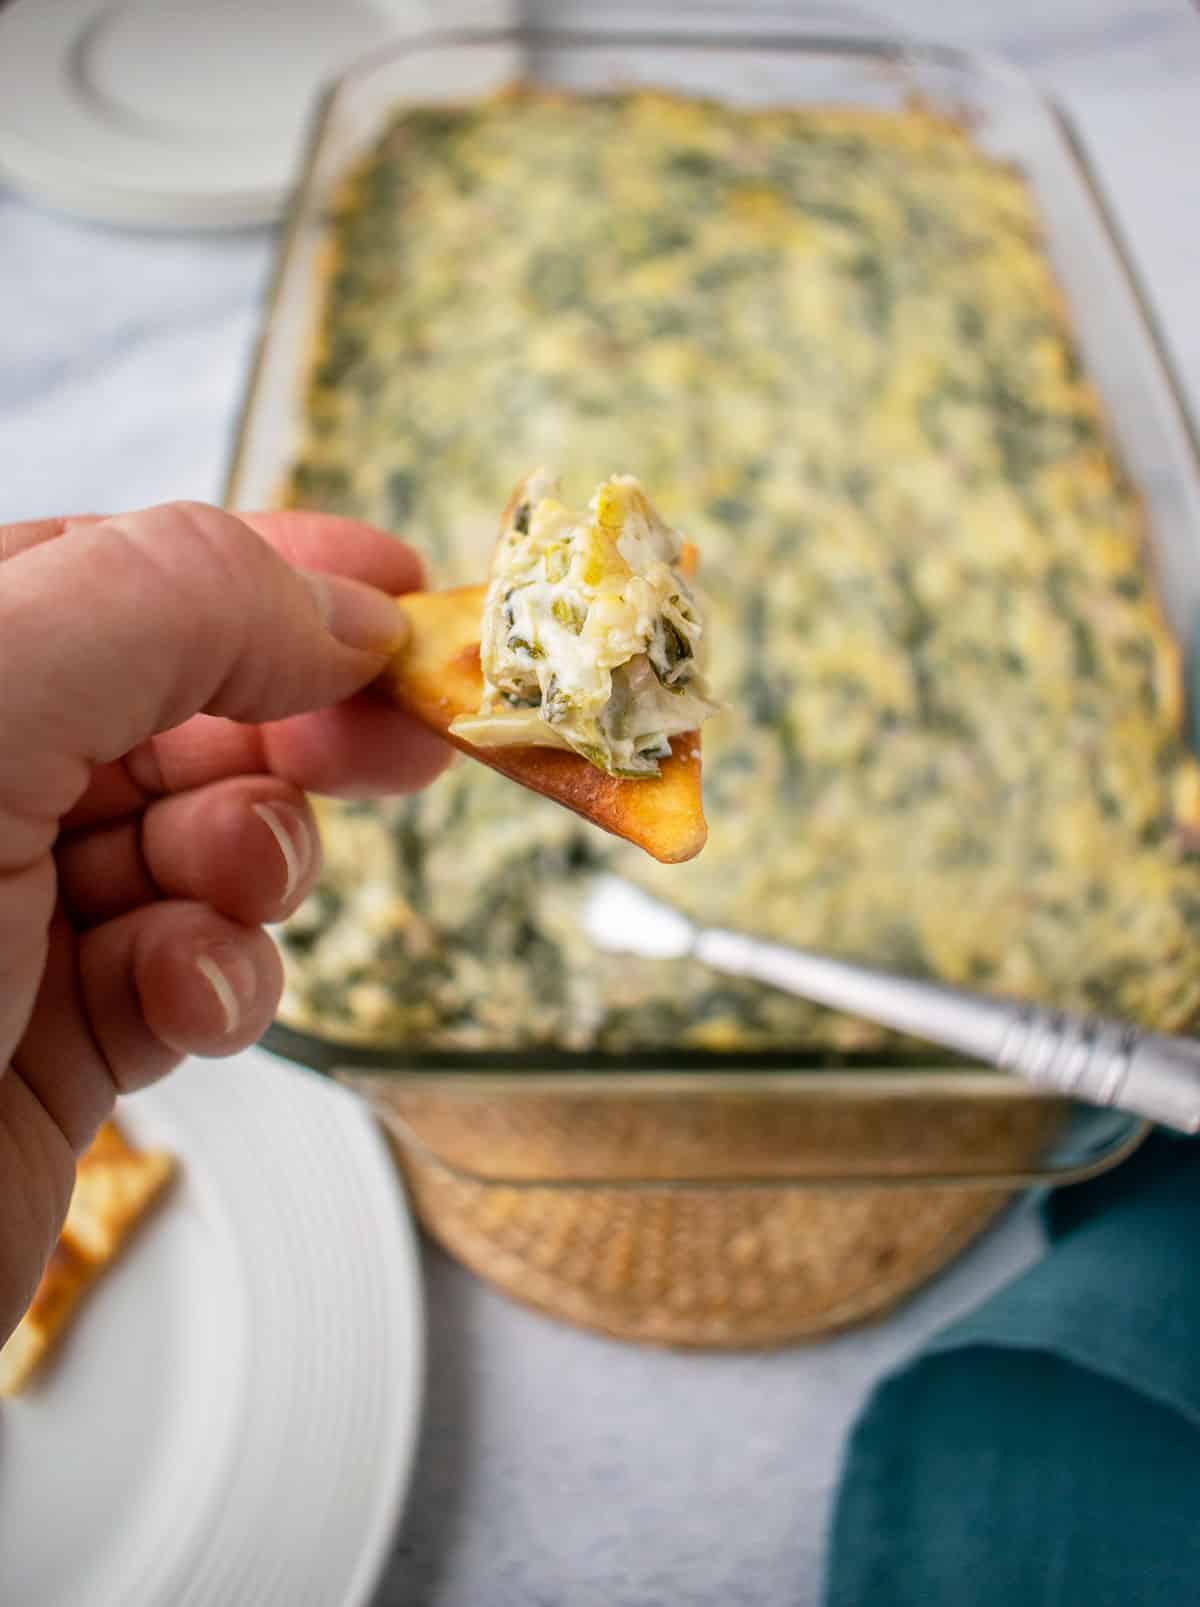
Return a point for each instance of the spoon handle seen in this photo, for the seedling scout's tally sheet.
(1089, 1058)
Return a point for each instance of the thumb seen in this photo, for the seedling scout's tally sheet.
(126, 627)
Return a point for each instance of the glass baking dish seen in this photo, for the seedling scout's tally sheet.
(697, 1121)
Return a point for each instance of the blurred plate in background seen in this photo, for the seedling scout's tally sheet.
(174, 113)
(233, 1415)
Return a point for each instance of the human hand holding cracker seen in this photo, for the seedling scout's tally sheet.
(171, 682)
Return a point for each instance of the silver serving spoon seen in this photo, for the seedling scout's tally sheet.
(1088, 1058)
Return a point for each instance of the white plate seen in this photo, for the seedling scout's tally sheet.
(184, 113)
(232, 1420)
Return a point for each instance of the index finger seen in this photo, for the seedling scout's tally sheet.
(359, 748)
(335, 546)
(19, 538)
(324, 542)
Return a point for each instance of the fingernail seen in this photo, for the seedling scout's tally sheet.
(219, 980)
(358, 615)
(291, 831)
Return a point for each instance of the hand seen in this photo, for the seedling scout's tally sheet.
(158, 673)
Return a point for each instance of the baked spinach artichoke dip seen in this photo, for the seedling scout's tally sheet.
(828, 341)
(591, 636)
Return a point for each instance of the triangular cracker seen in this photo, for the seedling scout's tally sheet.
(436, 677)
(115, 1186)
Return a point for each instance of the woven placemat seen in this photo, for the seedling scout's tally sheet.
(718, 1269)
(722, 1265)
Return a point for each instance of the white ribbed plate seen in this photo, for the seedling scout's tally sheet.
(232, 1420)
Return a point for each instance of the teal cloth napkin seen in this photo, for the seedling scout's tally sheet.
(1045, 1451)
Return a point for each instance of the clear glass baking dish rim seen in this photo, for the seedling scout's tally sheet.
(887, 47)
(323, 1053)
(831, 1086)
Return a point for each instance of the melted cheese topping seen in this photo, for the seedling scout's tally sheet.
(830, 340)
(592, 638)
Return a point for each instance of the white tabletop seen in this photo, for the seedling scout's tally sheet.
(556, 1466)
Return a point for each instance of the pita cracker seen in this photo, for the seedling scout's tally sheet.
(436, 677)
(115, 1186)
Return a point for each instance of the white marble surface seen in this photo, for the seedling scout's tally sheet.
(558, 1467)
